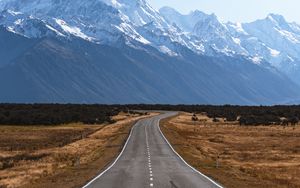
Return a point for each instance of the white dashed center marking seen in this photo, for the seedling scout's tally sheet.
(149, 159)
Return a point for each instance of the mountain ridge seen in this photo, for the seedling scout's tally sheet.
(125, 53)
(272, 38)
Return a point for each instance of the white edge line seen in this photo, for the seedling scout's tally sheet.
(184, 160)
(116, 160)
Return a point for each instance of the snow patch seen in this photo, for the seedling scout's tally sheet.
(126, 28)
(226, 50)
(239, 28)
(166, 50)
(290, 58)
(18, 22)
(14, 13)
(72, 30)
(290, 36)
(199, 47)
(11, 29)
(142, 40)
(257, 59)
(113, 3)
(236, 40)
(52, 29)
(271, 18)
(274, 53)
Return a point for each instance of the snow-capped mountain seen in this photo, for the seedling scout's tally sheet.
(26, 25)
(80, 18)
(124, 51)
(116, 19)
(272, 39)
(283, 41)
(185, 22)
(217, 35)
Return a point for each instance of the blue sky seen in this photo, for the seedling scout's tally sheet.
(236, 10)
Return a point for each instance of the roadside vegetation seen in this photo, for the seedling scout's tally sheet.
(56, 114)
(238, 156)
(246, 115)
(64, 155)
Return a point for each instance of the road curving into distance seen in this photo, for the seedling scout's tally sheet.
(148, 160)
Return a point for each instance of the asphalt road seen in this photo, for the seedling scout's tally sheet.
(148, 160)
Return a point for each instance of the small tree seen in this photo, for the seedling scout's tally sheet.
(231, 117)
(194, 117)
(294, 121)
(215, 120)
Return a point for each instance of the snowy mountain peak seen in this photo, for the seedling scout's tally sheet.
(197, 13)
(168, 9)
(167, 12)
(276, 18)
(185, 22)
(209, 25)
(26, 25)
(236, 28)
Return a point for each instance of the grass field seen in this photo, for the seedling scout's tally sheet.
(235, 156)
(59, 156)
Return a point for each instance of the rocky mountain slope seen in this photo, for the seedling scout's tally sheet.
(272, 39)
(124, 51)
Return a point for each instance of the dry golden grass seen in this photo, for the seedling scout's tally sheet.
(248, 156)
(60, 156)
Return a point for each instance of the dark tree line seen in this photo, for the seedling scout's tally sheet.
(53, 114)
(246, 115)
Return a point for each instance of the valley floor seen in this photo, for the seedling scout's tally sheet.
(237, 156)
(59, 156)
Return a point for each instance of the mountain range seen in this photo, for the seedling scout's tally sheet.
(124, 51)
(272, 39)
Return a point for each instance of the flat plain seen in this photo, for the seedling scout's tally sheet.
(237, 156)
(60, 156)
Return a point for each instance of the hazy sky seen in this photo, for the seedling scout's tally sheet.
(236, 10)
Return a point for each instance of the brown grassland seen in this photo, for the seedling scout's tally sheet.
(237, 156)
(60, 156)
